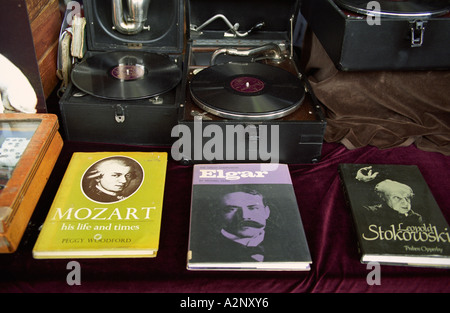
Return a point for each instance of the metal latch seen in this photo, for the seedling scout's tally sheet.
(417, 31)
(119, 113)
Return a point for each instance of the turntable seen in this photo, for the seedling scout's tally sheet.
(242, 75)
(128, 87)
(382, 35)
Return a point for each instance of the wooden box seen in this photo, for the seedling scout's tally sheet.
(29, 147)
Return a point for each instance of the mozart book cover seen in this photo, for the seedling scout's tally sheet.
(108, 205)
(396, 217)
(245, 217)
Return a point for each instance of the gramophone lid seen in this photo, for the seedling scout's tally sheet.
(166, 34)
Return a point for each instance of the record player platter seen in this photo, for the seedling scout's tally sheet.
(398, 8)
(126, 75)
(253, 91)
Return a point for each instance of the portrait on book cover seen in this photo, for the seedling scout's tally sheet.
(112, 179)
(390, 196)
(244, 223)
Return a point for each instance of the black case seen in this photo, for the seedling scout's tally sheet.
(394, 44)
(300, 133)
(137, 122)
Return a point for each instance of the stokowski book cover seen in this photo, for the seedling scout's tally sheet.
(108, 205)
(396, 217)
(245, 217)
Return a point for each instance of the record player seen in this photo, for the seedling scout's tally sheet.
(128, 87)
(382, 35)
(244, 90)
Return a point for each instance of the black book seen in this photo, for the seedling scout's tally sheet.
(245, 217)
(396, 217)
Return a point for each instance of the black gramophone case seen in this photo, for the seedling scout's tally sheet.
(400, 43)
(142, 121)
(300, 132)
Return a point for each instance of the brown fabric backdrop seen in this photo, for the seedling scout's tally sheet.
(380, 108)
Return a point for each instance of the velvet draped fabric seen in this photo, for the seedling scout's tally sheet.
(384, 109)
(326, 218)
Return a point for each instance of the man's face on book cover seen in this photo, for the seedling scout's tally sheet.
(399, 201)
(396, 195)
(244, 214)
(115, 176)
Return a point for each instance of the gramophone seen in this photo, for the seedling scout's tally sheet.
(128, 87)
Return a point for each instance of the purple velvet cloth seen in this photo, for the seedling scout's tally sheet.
(326, 217)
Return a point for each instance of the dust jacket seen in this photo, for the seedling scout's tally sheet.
(108, 205)
(396, 216)
(245, 217)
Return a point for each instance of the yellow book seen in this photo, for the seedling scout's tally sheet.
(109, 205)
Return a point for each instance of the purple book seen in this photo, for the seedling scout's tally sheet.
(245, 217)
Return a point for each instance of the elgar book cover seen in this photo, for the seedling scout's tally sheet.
(397, 219)
(245, 217)
(108, 205)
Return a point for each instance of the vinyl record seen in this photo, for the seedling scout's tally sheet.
(398, 8)
(252, 91)
(126, 75)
